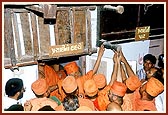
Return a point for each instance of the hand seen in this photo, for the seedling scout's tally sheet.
(101, 50)
(27, 106)
(121, 56)
(115, 57)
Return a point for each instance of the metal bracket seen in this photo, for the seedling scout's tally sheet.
(14, 68)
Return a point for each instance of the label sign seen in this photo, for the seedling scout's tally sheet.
(66, 49)
(142, 33)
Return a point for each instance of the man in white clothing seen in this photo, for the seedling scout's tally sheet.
(14, 92)
(149, 62)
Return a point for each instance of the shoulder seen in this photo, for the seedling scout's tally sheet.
(15, 107)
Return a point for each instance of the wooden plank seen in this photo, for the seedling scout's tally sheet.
(6, 34)
(56, 34)
(35, 36)
(8, 66)
(44, 36)
(34, 9)
(88, 32)
(62, 28)
(50, 11)
(9, 36)
(15, 10)
(17, 38)
(78, 8)
(6, 48)
(79, 20)
(26, 33)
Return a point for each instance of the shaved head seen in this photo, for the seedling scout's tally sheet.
(113, 107)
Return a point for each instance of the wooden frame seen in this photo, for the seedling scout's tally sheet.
(27, 37)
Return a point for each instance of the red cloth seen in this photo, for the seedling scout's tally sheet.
(95, 102)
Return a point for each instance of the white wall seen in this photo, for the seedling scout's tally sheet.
(157, 47)
(94, 27)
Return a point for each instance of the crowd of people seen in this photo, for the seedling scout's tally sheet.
(68, 90)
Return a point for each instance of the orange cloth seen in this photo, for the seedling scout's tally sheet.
(90, 88)
(86, 102)
(69, 84)
(119, 88)
(57, 94)
(61, 74)
(87, 76)
(141, 105)
(84, 108)
(80, 83)
(81, 80)
(38, 103)
(133, 102)
(40, 86)
(95, 102)
(128, 100)
(52, 78)
(100, 80)
(154, 87)
(61, 94)
(133, 83)
(50, 75)
(71, 67)
(102, 100)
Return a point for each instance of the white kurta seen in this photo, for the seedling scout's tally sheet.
(7, 102)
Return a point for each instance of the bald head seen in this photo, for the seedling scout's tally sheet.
(114, 107)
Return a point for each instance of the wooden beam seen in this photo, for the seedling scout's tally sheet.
(34, 8)
(9, 36)
(35, 36)
(24, 17)
(50, 11)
